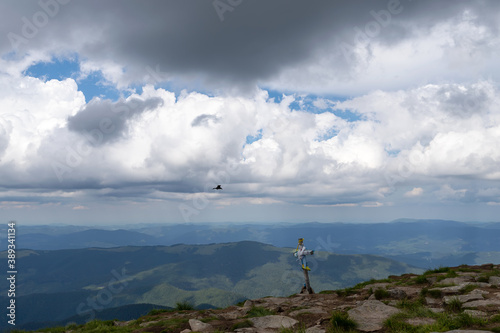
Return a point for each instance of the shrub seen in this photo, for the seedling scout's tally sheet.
(434, 293)
(258, 311)
(381, 293)
(438, 270)
(454, 305)
(340, 322)
(468, 288)
(421, 279)
(157, 311)
(180, 306)
(242, 324)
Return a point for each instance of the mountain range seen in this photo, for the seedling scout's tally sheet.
(77, 285)
(422, 243)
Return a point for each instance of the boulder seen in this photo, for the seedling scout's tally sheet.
(397, 293)
(485, 302)
(494, 280)
(309, 310)
(371, 315)
(199, 326)
(273, 322)
(315, 329)
(463, 298)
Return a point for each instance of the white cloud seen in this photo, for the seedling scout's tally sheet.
(415, 192)
(167, 152)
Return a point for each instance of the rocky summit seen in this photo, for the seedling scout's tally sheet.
(459, 299)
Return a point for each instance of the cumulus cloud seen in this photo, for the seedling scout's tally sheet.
(109, 117)
(380, 97)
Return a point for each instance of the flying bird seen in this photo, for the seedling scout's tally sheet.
(217, 188)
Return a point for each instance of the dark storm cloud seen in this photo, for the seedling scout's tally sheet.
(254, 41)
(110, 118)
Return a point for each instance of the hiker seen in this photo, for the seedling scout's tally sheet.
(301, 253)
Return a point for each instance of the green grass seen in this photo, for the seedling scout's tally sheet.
(443, 322)
(155, 312)
(381, 294)
(242, 324)
(421, 279)
(95, 326)
(468, 288)
(451, 274)
(340, 322)
(434, 293)
(181, 306)
(258, 311)
(454, 305)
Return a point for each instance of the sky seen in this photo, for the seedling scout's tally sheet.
(332, 111)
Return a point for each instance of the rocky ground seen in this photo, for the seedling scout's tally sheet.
(459, 299)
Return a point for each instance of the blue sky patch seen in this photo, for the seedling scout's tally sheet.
(250, 139)
(94, 85)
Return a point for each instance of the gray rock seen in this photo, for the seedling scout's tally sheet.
(248, 304)
(485, 302)
(476, 313)
(273, 322)
(397, 293)
(315, 329)
(199, 326)
(437, 310)
(371, 315)
(432, 301)
(494, 280)
(309, 310)
(463, 298)
(457, 280)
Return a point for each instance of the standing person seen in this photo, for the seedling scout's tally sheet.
(301, 253)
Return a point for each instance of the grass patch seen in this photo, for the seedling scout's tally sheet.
(421, 279)
(95, 326)
(259, 311)
(345, 292)
(181, 306)
(340, 322)
(328, 292)
(209, 319)
(485, 277)
(434, 293)
(381, 293)
(468, 288)
(242, 324)
(454, 305)
(155, 312)
(414, 308)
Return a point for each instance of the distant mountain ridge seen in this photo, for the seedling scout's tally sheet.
(422, 243)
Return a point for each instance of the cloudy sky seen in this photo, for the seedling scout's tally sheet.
(354, 111)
